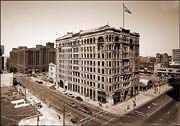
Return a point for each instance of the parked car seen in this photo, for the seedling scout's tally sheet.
(39, 82)
(71, 95)
(79, 98)
(52, 87)
(73, 105)
(74, 121)
(85, 109)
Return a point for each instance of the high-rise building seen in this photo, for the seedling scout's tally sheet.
(162, 59)
(1, 58)
(176, 56)
(33, 59)
(100, 63)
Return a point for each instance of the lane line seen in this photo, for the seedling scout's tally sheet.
(90, 116)
(108, 121)
(94, 117)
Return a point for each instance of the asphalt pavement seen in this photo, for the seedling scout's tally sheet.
(163, 110)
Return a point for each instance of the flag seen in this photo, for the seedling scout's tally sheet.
(127, 10)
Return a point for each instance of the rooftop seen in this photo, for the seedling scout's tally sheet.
(94, 30)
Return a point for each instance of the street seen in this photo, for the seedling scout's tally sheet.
(55, 99)
(161, 110)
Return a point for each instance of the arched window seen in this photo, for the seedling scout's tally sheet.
(100, 43)
(117, 44)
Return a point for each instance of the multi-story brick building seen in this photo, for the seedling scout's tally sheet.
(33, 59)
(176, 56)
(100, 63)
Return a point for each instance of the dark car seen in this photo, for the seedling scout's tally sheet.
(79, 98)
(85, 109)
(73, 105)
(52, 87)
(39, 82)
(74, 121)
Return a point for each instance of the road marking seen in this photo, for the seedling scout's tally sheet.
(168, 112)
(138, 114)
(108, 121)
(173, 122)
(154, 103)
(141, 113)
(160, 107)
(90, 116)
(97, 115)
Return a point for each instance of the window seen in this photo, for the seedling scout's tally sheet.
(102, 86)
(102, 71)
(98, 55)
(102, 79)
(98, 78)
(98, 70)
(102, 63)
(90, 62)
(109, 63)
(98, 63)
(109, 88)
(102, 56)
(98, 85)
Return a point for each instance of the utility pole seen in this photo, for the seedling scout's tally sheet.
(38, 120)
(64, 114)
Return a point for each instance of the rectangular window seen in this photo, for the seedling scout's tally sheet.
(98, 78)
(102, 79)
(102, 63)
(102, 71)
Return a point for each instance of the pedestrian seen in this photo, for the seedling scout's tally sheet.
(128, 107)
(59, 117)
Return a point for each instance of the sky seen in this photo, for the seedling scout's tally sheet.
(27, 23)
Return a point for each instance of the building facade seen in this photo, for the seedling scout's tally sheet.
(163, 59)
(33, 59)
(146, 64)
(6, 79)
(176, 56)
(100, 63)
(1, 58)
(52, 72)
(167, 72)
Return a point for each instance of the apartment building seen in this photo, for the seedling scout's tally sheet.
(100, 63)
(176, 56)
(163, 59)
(33, 59)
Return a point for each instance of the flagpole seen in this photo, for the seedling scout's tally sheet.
(123, 15)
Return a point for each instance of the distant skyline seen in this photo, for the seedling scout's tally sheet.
(28, 23)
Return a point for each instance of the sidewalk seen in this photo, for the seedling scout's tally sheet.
(121, 108)
(141, 99)
(49, 116)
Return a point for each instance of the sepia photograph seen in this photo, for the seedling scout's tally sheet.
(90, 63)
